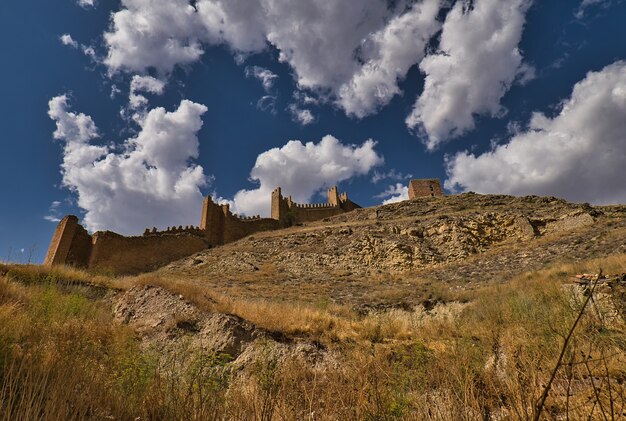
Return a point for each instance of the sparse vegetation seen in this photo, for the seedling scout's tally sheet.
(63, 357)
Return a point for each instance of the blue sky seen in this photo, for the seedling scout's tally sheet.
(507, 96)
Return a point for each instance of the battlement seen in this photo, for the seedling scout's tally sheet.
(249, 218)
(173, 230)
(313, 205)
(289, 212)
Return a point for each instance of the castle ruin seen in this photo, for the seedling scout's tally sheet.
(288, 212)
(112, 253)
(426, 187)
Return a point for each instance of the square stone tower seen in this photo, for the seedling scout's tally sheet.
(425, 187)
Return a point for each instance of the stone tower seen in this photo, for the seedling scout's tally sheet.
(425, 187)
(280, 205)
(212, 222)
(333, 196)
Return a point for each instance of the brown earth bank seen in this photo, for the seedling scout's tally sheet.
(458, 307)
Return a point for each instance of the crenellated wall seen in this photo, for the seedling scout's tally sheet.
(221, 226)
(310, 213)
(113, 253)
(289, 212)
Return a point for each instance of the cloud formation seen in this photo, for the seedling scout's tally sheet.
(353, 52)
(394, 193)
(302, 116)
(392, 174)
(349, 53)
(53, 214)
(150, 181)
(579, 154)
(87, 50)
(303, 170)
(159, 34)
(388, 55)
(66, 39)
(146, 84)
(265, 76)
(477, 62)
(586, 4)
(86, 4)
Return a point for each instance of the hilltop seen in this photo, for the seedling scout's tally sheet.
(454, 307)
(387, 254)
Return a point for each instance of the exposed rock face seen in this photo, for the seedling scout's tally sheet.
(169, 323)
(438, 238)
(403, 237)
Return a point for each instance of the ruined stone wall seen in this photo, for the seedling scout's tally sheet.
(310, 213)
(288, 212)
(237, 228)
(219, 226)
(280, 206)
(116, 254)
(71, 244)
(346, 204)
(113, 253)
(430, 187)
(80, 250)
(213, 222)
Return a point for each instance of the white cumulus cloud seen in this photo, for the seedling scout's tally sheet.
(388, 55)
(150, 181)
(153, 33)
(147, 84)
(352, 52)
(303, 170)
(580, 154)
(477, 62)
(87, 50)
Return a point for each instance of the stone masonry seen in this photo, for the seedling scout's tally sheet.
(111, 253)
(426, 187)
(288, 212)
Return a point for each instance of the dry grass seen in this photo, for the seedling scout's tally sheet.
(62, 357)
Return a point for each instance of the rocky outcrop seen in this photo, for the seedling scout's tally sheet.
(443, 238)
(168, 324)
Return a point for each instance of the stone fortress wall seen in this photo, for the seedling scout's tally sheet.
(220, 226)
(112, 253)
(287, 211)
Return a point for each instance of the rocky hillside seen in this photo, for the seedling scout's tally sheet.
(437, 308)
(459, 239)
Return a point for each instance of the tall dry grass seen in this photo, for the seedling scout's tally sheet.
(62, 357)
